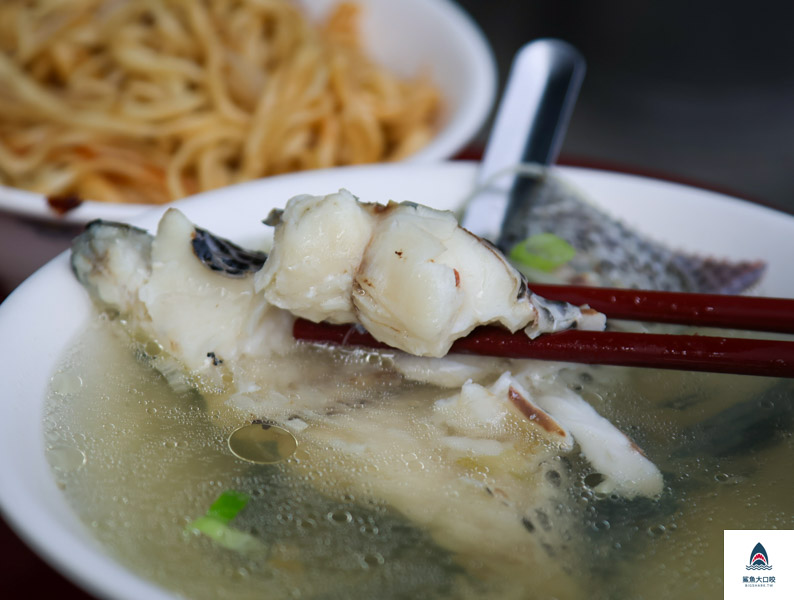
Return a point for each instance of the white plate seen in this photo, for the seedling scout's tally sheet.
(39, 320)
(410, 36)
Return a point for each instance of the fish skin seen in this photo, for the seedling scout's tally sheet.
(224, 256)
(611, 254)
(105, 242)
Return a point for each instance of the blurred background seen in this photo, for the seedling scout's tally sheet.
(696, 92)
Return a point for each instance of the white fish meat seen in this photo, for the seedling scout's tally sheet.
(472, 464)
(193, 316)
(409, 274)
(190, 299)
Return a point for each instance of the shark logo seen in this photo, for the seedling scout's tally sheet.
(759, 559)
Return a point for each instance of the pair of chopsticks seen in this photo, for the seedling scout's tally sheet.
(773, 358)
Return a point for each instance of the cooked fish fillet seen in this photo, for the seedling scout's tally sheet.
(468, 456)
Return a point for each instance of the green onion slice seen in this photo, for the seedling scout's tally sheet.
(543, 251)
(228, 504)
(215, 524)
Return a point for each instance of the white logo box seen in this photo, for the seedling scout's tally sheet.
(770, 576)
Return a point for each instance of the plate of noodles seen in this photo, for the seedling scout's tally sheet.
(110, 107)
(127, 482)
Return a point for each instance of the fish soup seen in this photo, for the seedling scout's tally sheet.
(139, 463)
(212, 453)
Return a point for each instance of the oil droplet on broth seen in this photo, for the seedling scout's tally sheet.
(152, 348)
(340, 516)
(65, 458)
(262, 443)
(369, 529)
(65, 383)
(372, 560)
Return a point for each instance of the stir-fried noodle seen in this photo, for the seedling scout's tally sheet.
(152, 100)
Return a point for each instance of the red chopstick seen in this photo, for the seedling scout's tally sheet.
(772, 358)
(706, 310)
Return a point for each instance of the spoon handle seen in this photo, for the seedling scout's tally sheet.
(530, 125)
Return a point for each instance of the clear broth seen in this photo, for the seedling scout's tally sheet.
(138, 462)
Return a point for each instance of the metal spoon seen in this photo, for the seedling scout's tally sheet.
(530, 125)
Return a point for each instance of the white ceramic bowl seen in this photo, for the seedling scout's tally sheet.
(40, 319)
(409, 37)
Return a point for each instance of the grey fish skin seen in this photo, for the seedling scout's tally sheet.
(90, 258)
(219, 254)
(610, 254)
(214, 252)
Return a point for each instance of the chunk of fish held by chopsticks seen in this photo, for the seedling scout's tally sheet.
(409, 274)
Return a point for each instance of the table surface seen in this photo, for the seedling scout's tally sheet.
(24, 572)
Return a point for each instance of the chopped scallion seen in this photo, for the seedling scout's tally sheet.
(215, 524)
(543, 251)
(228, 504)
